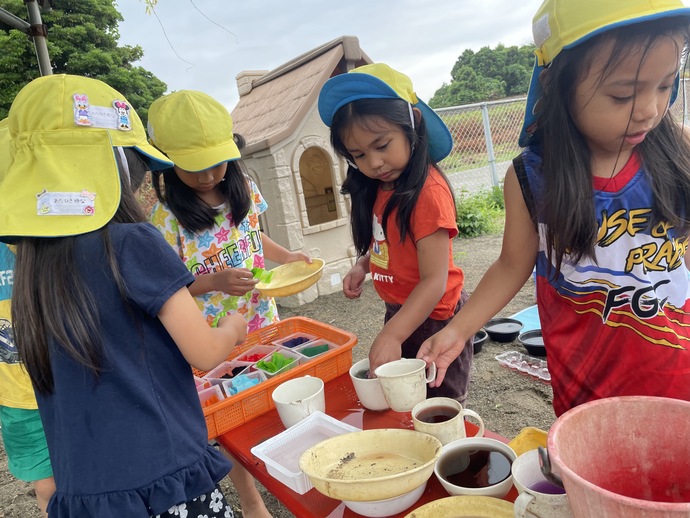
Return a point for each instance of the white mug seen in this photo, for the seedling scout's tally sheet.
(447, 419)
(538, 497)
(404, 382)
(295, 399)
(368, 390)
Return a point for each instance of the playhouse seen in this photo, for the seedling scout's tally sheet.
(289, 156)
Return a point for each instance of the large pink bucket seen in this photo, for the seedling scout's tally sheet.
(624, 456)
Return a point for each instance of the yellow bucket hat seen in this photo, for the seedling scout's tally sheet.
(63, 178)
(193, 129)
(379, 81)
(564, 24)
(4, 147)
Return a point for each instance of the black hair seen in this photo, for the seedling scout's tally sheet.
(567, 204)
(50, 301)
(369, 113)
(194, 213)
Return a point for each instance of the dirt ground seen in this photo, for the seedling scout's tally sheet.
(506, 400)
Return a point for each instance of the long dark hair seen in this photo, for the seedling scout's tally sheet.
(368, 113)
(50, 301)
(194, 213)
(567, 204)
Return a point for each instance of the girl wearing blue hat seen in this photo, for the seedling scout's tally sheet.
(600, 200)
(103, 319)
(403, 212)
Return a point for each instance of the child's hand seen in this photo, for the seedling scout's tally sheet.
(443, 348)
(384, 349)
(236, 323)
(235, 281)
(353, 282)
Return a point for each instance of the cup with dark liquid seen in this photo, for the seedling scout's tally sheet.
(537, 496)
(368, 389)
(444, 418)
(476, 466)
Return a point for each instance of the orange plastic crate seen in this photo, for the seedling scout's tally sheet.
(255, 401)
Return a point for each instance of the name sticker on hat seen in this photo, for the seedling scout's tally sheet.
(116, 116)
(65, 203)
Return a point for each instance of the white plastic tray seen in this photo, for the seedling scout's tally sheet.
(535, 367)
(281, 453)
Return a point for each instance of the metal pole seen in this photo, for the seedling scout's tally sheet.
(489, 144)
(38, 34)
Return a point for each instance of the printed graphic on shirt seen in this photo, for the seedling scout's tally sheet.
(8, 351)
(226, 245)
(379, 249)
(633, 279)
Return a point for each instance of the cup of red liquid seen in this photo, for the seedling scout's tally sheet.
(444, 418)
(537, 496)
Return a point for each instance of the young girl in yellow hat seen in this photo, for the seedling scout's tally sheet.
(600, 200)
(209, 208)
(103, 319)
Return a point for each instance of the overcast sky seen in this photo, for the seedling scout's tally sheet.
(211, 41)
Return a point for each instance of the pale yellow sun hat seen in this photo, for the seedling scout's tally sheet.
(193, 129)
(564, 24)
(63, 178)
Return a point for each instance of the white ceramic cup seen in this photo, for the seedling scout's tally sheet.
(404, 382)
(455, 457)
(453, 427)
(532, 503)
(295, 399)
(368, 390)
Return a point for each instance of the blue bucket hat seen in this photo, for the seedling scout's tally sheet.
(379, 81)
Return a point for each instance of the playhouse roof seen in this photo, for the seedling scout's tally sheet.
(273, 104)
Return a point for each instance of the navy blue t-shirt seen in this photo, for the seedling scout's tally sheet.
(134, 443)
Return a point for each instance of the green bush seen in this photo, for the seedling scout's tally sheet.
(480, 213)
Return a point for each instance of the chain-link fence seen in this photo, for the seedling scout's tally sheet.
(485, 139)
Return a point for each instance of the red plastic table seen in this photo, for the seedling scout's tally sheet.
(341, 403)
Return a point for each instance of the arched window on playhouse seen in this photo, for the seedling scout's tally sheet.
(316, 175)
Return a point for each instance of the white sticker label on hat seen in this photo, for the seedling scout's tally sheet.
(65, 203)
(104, 117)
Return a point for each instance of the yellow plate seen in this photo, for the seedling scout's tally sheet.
(464, 507)
(291, 278)
(528, 439)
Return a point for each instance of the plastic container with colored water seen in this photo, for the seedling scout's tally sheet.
(624, 456)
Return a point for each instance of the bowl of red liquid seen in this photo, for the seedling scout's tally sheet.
(476, 466)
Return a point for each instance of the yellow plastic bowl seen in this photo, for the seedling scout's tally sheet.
(371, 464)
(292, 278)
(459, 506)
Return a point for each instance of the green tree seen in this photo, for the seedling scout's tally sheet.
(486, 75)
(82, 40)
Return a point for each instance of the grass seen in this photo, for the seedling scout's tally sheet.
(480, 213)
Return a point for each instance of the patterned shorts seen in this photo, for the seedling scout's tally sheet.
(209, 505)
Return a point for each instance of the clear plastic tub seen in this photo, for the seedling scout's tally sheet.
(311, 349)
(227, 369)
(295, 340)
(254, 354)
(242, 382)
(535, 367)
(281, 453)
(297, 359)
(201, 383)
(211, 396)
